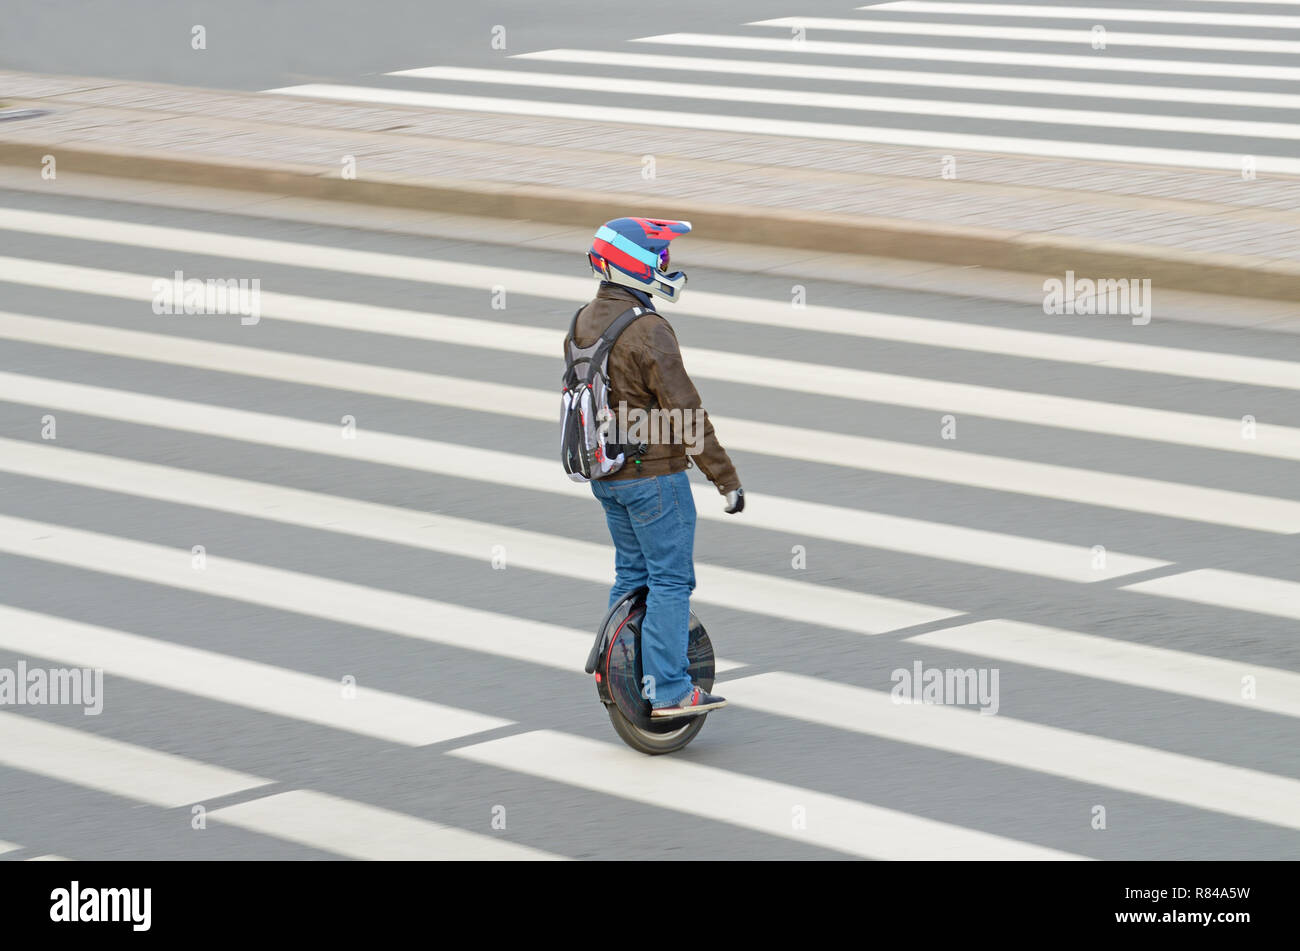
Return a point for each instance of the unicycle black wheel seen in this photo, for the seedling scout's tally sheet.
(616, 661)
(650, 742)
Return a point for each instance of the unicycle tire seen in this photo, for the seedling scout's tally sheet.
(655, 744)
(616, 662)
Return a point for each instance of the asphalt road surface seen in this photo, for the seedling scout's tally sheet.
(377, 650)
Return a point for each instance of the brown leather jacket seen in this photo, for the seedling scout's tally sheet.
(646, 372)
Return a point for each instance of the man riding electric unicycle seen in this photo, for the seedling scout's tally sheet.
(632, 424)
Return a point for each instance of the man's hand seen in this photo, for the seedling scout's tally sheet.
(735, 501)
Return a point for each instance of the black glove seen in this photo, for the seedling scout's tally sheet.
(735, 501)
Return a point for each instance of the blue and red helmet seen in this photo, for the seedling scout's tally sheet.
(634, 252)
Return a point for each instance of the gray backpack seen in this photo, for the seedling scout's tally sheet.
(587, 447)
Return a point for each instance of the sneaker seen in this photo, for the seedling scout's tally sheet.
(693, 704)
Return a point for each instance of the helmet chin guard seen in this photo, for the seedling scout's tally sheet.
(634, 252)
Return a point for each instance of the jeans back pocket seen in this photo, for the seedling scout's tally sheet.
(643, 498)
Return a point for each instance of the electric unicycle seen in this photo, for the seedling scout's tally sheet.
(615, 659)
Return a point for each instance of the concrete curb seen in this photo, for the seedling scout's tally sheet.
(1037, 253)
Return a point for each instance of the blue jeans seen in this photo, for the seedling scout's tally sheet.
(652, 522)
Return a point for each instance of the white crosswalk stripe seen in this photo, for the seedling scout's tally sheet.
(361, 831)
(263, 687)
(997, 57)
(315, 819)
(1080, 35)
(1138, 665)
(1090, 759)
(764, 806)
(111, 766)
(856, 74)
(1228, 589)
(538, 757)
(1091, 14)
(926, 107)
(1256, 3)
(6, 847)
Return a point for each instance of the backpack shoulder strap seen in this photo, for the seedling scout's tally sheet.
(621, 323)
(600, 352)
(595, 355)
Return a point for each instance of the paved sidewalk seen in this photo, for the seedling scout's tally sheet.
(1184, 228)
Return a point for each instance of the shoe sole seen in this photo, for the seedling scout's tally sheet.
(687, 711)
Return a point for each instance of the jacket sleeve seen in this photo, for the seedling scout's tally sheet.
(666, 377)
